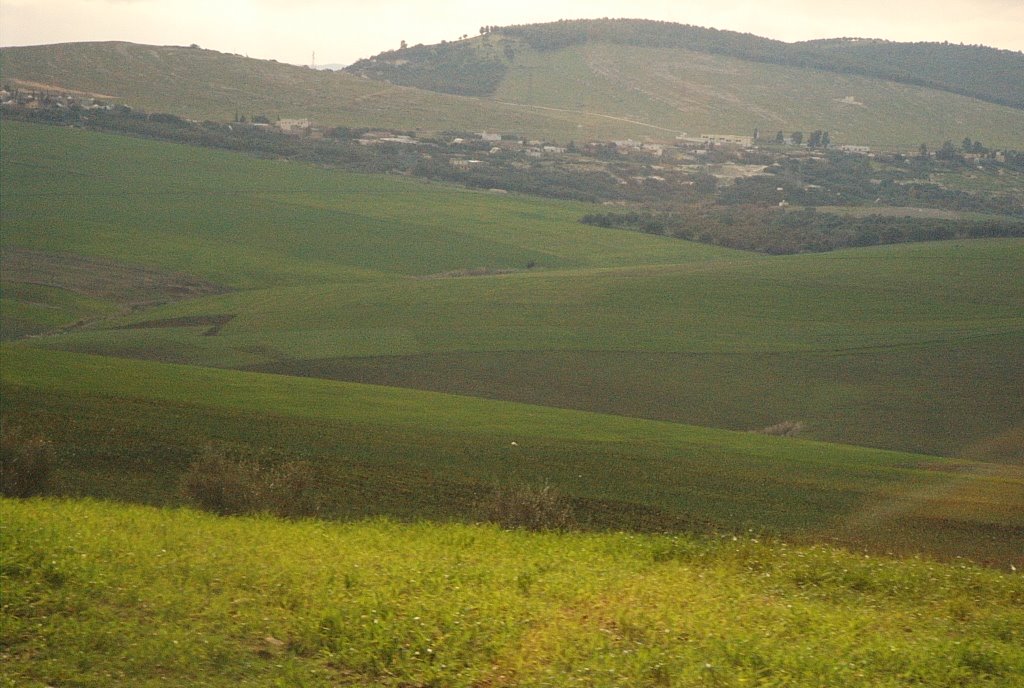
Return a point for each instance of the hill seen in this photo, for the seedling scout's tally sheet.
(205, 84)
(620, 80)
(666, 74)
(305, 271)
(95, 593)
(130, 430)
(975, 71)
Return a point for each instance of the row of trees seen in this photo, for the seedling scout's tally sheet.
(777, 231)
(817, 139)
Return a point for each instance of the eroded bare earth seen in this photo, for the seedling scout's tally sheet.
(121, 283)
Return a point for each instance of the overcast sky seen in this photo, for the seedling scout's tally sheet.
(343, 31)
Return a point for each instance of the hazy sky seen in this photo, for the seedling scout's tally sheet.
(342, 31)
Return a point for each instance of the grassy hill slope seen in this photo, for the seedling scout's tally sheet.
(96, 593)
(298, 270)
(205, 84)
(976, 71)
(682, 90)
(619, 90)
(128, 429)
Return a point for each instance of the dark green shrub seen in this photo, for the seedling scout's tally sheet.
(26, 463)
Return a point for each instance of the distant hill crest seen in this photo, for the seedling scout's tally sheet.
(988, 74)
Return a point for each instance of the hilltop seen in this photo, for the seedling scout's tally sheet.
(577, 81)
(976, 71)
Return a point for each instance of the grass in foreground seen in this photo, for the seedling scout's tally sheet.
(97, 594)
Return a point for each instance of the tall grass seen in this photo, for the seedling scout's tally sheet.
(98, 594)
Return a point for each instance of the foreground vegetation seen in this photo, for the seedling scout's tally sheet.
(98, 594)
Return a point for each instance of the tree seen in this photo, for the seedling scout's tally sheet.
(797, 137)
(815, 139)
(780, 138)
(403, 45)
(923, 151)
(826, 141)
(947, 152)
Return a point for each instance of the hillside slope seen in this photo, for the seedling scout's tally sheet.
(600, 88)
(205, 84)
(975, 71)
(633, 68)
(128, 430)
(299, 270)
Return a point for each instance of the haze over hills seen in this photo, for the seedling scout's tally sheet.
(582, 80)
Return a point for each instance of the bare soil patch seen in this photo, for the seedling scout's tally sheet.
(215, 322)
(54, 88)
(121, 283)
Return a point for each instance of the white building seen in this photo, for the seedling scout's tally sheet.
(730, 139)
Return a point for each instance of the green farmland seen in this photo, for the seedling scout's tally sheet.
(298, 270)
(403, 355)
(128, 430)
(198, 258)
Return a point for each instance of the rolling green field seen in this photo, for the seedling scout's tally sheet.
(597, 91)
(299, 270)
(403, 355)
(128, 430)
(97, 594)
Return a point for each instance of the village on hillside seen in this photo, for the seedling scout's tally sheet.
(781, 169)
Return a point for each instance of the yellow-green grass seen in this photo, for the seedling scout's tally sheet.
(127, 429)
(97, 594)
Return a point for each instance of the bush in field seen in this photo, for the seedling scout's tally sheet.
(229, 481)
(530, 507)
(292, 490)
(26, 463)
(786, 428)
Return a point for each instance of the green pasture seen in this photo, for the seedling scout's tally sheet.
(916, 347)
(913, 347)
(97, 593)
(127, 430)
(255, 223)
